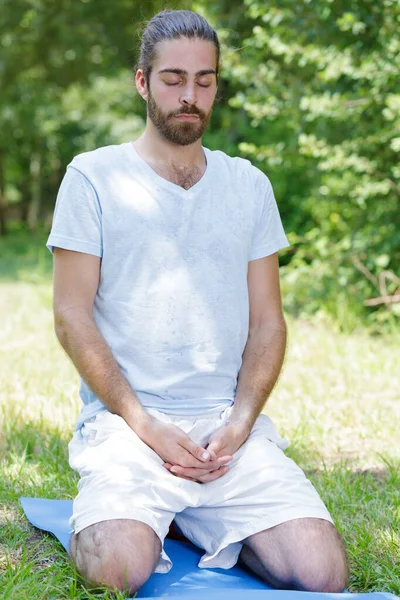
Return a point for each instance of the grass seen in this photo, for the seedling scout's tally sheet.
(337, 401)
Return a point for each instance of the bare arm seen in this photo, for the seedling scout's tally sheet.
(76, 279)
(265, 348)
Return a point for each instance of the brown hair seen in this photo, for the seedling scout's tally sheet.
(171, 25)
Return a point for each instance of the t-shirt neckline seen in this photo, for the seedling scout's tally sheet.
(169, 184)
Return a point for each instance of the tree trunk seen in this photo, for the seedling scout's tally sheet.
(36, 192)
(3, 199)
(24, 189)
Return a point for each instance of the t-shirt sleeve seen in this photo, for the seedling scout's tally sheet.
(77, 220)
(268, 235)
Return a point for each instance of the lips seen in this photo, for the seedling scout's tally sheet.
(185, 117)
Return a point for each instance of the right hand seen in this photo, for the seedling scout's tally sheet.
(176, 448)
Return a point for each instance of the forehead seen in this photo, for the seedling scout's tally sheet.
(191, 55)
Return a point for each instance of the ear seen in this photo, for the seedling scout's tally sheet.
(141, 84)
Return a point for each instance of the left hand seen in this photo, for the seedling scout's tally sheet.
(227, 439)
(224, 442)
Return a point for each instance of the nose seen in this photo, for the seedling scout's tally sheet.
(188, 96)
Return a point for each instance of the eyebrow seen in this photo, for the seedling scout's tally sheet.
(182, 72)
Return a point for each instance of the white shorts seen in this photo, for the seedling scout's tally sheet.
(122, 478)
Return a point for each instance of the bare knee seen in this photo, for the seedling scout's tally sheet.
(119, 554)
(326, 568)
(319, 563)
(303, 554)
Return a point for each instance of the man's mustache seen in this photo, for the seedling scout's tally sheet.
(190, 110)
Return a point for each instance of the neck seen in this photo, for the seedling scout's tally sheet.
(155, 147)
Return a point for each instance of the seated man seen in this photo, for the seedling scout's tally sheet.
(166, 298)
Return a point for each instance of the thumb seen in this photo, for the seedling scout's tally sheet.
(198, 452)
(216, 444)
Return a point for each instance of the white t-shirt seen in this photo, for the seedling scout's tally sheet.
(172, 301)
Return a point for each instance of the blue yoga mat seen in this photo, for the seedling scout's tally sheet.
(185, 579)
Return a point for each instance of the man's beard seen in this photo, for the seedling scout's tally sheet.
(173, 130)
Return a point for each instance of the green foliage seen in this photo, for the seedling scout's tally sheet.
(319, 87)
(65, 88)
(308, 91)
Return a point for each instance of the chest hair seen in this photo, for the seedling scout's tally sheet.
(182, 176)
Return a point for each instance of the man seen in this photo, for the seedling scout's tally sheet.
(166, 298)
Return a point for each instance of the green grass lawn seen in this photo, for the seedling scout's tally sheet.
(337, 401)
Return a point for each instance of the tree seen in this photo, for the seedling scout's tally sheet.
(319, 84)
(46, 48)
